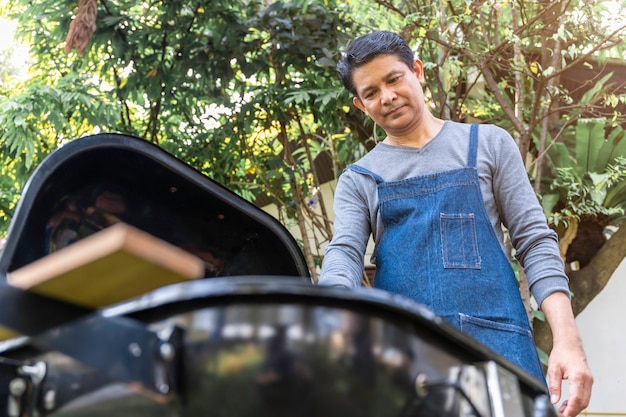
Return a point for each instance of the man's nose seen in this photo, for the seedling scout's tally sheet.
(387, 95)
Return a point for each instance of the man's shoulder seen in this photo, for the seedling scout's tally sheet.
(496, 139)
(493, 140)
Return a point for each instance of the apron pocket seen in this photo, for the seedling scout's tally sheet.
(513, 342)
(459, 245)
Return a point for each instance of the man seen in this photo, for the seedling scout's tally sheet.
(434, 194)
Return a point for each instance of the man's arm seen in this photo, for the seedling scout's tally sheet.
(344, 255)
(567, 359)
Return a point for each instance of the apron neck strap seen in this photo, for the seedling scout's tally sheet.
(473, 147)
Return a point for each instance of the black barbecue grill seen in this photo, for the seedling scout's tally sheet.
(253, 338)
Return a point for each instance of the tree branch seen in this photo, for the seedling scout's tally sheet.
(590, 280)
(500, 98)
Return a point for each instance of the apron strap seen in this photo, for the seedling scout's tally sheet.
(364, 171)
(473, 147)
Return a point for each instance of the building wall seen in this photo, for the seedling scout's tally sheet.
(603, 329)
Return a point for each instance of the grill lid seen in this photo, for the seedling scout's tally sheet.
(96, 181)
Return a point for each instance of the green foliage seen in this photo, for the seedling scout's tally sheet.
(233, 88)
(38, 119)
(590, 170)
(586, 196)
(10, 188)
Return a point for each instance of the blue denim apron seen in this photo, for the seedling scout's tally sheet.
(439, 248)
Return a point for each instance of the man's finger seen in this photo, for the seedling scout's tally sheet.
(556, 380)
(580, 394)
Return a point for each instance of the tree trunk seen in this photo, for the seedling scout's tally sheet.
(588, 282)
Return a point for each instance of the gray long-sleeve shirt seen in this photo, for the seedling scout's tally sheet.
(509, 199)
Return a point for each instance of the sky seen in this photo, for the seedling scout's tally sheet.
(6, 32)
(7, 27)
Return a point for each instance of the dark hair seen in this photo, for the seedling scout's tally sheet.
(363, 49)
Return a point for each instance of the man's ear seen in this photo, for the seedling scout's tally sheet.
(418, 69)
(357, 102)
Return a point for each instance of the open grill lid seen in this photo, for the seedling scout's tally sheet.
(95, 181)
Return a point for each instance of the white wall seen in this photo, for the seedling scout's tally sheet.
(603, 329)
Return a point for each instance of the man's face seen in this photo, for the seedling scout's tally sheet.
(390, 93)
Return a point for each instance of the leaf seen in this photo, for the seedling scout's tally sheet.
(543, 356)
(297, 97)
(598, 195)
(108, 20)
(539, 315)
(548, 202)
(561, 156)
(616, 196)
(618, 140)
(599, 180)
(18, 121)
(589, 139)
(326, 62)
(591, 94)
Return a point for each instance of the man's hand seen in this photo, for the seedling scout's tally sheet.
(569, 362)
(567, 358)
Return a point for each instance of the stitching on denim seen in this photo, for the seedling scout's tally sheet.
(490, 324)
(424, 190)
(469, 261)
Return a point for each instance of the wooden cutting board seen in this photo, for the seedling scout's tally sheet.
(6, 333)
(108, 267)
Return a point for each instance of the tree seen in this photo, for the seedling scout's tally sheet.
(10, 175)
(243, 91)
